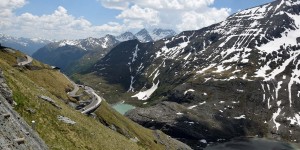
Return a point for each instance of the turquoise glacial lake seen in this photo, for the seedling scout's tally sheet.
(122, 108)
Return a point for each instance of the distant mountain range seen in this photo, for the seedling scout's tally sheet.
(26, 45)
(31, 45)
(146, 35)
(75, 55)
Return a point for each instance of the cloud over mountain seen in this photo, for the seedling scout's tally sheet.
(178, 14)
(132, 15)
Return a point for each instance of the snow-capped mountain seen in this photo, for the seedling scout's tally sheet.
(70, 54)
(26, 45)
(239, 77)
(144, 36)
(88, 44)
(157, 34)
(126, 37)
(65, 53)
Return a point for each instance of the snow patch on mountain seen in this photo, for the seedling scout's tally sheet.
(295, 120)
(146, 94)
(240, 117)
(172, 52)
(105, 43)
(68, 42)
(189, 90)
(288, 37)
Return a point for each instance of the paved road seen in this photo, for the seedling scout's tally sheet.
(26, 62)
(96, 99)
(93, 105)
(75, 90)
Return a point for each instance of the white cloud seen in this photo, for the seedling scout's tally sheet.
(174, 4)
(6, 11)
(11, 4)
(147, 15)
(134, 14)
(115, 4)
(58, 25)
(196, 20)
(175, 14)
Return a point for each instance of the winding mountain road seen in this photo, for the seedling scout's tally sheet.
(26, 62)
(96, 100)
(75, 90)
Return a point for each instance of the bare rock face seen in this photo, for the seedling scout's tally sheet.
(50, 100)
(4, 90)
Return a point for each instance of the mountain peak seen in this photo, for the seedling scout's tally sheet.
(158, 33)
(144, 36)
(126, 36)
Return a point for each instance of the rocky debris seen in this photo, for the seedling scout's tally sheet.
(31, 110)
(193, 125)
(4, 89)
(15, 133)
(135, 139)
(66, 120)
(113, 127)
(165, 112)
(51, 101)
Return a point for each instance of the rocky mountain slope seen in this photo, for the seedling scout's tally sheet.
(126, 37)
(28, 46)
(65, 53)
(145, 35)
(157, 34)
(57, 122)
(239, 77)
(15, 132)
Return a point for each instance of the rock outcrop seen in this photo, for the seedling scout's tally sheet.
(15, 132)
(4, 90)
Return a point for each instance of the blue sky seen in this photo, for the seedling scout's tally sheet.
(91, 10)
(237, 5)
(61, 19)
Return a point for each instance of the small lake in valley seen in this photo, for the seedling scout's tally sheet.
(122, 108)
